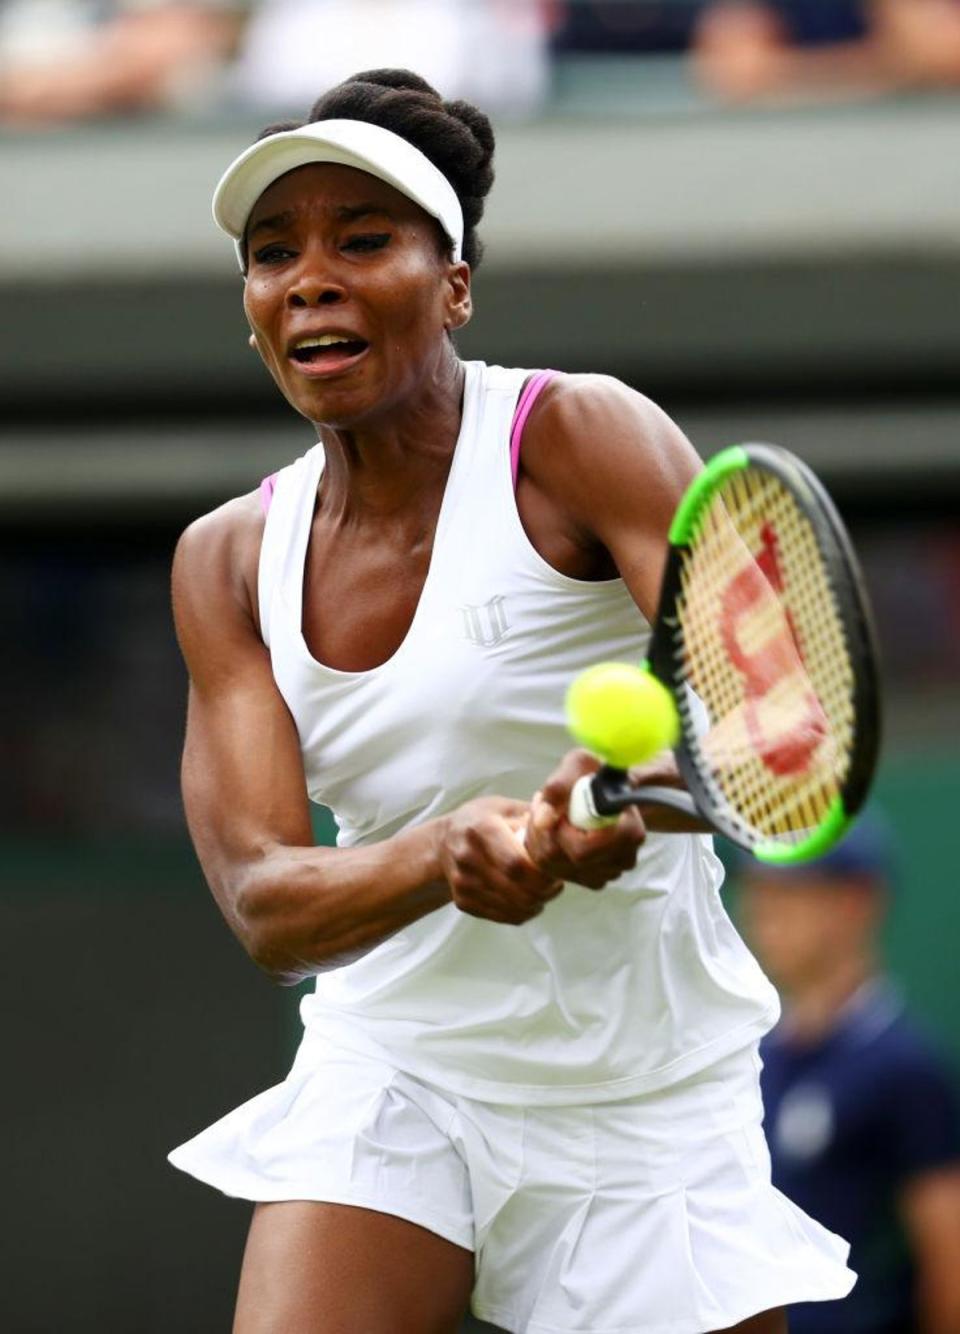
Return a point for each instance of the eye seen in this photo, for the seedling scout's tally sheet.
(367, 241)
(272, 254)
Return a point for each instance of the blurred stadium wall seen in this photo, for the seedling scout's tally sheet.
(789, 276)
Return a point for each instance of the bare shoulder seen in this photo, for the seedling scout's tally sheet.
(215, 570)
(593, 421)
(229, 533)
(596, 445)
(571, 394)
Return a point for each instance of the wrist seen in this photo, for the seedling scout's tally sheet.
(435, 834)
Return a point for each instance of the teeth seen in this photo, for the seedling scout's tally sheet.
(325, 340)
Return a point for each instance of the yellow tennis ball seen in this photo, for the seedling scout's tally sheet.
(622, 713)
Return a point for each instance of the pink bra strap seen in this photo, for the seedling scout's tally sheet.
(266, 491)
(531, 392)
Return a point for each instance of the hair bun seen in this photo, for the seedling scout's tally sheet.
(404, 80)
(479, 126)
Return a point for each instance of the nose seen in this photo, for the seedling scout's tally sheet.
(315, 283)
(310, 287)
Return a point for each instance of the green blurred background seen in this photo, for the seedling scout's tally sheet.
(786, 274)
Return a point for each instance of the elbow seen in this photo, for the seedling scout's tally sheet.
(284, 979)
(272, 958)
(263, 931)
(291, 931)
(278, 966)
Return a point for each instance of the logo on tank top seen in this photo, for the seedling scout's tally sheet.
(485, 625)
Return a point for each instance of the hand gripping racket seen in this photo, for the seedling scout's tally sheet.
(763, 636)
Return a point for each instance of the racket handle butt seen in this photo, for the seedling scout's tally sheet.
(582, 811)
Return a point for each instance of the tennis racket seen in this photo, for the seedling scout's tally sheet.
(764, 638)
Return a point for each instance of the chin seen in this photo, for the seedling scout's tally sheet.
(330, 407)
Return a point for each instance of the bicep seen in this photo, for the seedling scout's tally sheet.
(244, 790)
(242, 773)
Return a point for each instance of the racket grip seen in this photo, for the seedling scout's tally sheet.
(582, 809)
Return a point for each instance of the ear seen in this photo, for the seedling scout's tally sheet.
(459, 301)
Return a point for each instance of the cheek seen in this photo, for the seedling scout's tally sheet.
(256, 305)
(411, 294)
(259, 309)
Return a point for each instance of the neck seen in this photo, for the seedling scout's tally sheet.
(813, 1008)
(400, 456)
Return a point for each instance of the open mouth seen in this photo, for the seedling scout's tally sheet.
(327, 349)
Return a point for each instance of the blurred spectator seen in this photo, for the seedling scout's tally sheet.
(861, 1116)
(493, 52)
(797, 49)
(64, 60)
(613, 27)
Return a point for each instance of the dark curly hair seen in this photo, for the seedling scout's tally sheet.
(455, 136)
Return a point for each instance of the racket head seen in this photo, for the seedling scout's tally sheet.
(765, 623)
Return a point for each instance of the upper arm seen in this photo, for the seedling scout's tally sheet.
(613, 467)
(243, 781)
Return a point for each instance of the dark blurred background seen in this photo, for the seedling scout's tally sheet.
(750, 212)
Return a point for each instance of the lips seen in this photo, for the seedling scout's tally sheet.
(329, 353)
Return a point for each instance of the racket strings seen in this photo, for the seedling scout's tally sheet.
(761, 642)
(802, 798)
(823, 680)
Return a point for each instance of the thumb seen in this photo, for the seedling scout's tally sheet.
(556, 790)
(544, 814)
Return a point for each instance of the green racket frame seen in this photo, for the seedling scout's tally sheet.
(610, 789)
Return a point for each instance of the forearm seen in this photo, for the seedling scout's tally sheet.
(300, 910)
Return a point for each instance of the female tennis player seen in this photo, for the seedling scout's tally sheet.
(509, 1088)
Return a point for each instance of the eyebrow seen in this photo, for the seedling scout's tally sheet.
(351, 212)
(345, 213)
(271, 224)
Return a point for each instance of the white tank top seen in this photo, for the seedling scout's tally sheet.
(602, 996)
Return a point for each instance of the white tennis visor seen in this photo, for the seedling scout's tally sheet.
(348, 143)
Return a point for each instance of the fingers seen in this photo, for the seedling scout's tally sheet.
(556, 790)
(505, 860)
(487, 868)
(586, 857)
(597, 856)
(661, 771)
(498, 901)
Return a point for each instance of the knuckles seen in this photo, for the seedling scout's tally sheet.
(592, 860)
(518, 870)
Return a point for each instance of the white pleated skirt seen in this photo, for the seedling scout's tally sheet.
(654, 1215)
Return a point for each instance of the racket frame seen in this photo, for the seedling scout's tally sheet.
(611, 789)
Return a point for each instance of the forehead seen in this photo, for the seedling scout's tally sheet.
(321, 188)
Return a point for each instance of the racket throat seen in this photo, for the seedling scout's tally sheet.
(597, 799)
(610, 792)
